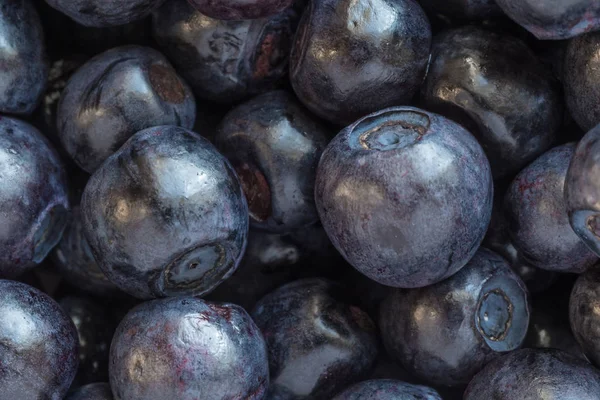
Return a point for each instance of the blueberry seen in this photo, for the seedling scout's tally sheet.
(240, 9)
(581, 77)
(24, 67)
(225, 61)
(582, 190)
(539, 224)
(275, 145)
(463, 9)
(583, 313)
(95, 328)
(115, 95)
(74, 259)
(354, 57)
(33, 197)
(447, 332)
(387, 389)
(318, 342)
(186, 348)
(93, 391)
(405, 196)
(166, 215)
(38, 355)
(550, 19)
(538, 374)
(513, 108)
(101, 13)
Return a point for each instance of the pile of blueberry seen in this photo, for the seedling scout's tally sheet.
(299, 199)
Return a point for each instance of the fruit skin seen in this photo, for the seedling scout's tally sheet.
(318, 342)
(74, 260)
(116, 94)
(439, 333)
(583, 306)
(275, 145)
(225, 61)
(93, 391)
(535, 374)
(240, 9)
(186, 348)
(405, 196)
(582, 191)
(39, 344)
(553, 20)
(539, 223)
(165, 215)
(463, 9)
(351, 58)
(514, 109)
(581, 79)
(33, 197)
(104, 13)
(387, 389)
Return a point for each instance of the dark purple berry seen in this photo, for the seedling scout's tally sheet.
(93, 391)
(387, 389)
(240, 9)
(584, 313)
(101, 13)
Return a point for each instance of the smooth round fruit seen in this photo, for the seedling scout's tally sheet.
(240, 9)
(583, 313)
(104, 13)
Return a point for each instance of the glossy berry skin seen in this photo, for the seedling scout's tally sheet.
(95, 328)
(23, 62)
(275, 145)
(445, 333)
(74, 260)
(33, 197)
(583, 306)
(187, 349)
(536, 374)
(240, 9)
(39, 344)
(104, 13)
(116, 94)
(351, 58)
(387, 389)
(225, 61)
(581, 77)
(166, 215)
(463, 9)
(552, 20)
(405, 196)
(539, 223)
(318, 342)
(514, 109)
(582, 190)
(93, 391)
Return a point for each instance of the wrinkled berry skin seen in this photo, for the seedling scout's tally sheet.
(104, 13)
(318, 342)
(93, 391)
(351, 58)
(405, 196)
(95, 328)
(186, 348)
(39, 344)
(539, 224)
(581, 77)
(240, 9)
(553, 20)
(463, 9)
(275, 145)
(514, 109)
(583, 313)
(33, 197)
(387, 389)
(447, 332)
(23, 62)
(116, 94)
(166, 215)
(582, 190)
(225, 61)
(536, 374)
(74, 260)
